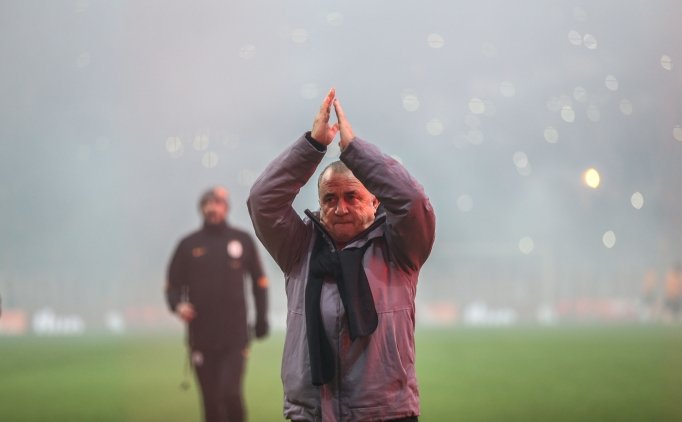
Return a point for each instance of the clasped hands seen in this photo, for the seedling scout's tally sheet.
(324, 132)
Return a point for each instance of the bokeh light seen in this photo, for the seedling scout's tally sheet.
(609, 239)
(435, 41)
(611, 82)
(173, 144)
(677, 133)
(580, 94)
(666, 62)
(201, 141)
(568, 114)
(410, 101)
(507, 89)
(476, 105)
(590, 41)
(209, 160)
(247, 51)
(526, 245)
(575, 38)
(637, 200)
(299, 35)
(592, 178)
(626, 107)
(434, 127)
(335, 19)
(551, 135)
(520, 159)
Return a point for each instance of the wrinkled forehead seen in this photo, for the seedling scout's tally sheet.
(340, 181)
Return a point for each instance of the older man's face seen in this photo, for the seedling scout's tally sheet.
(346, 206)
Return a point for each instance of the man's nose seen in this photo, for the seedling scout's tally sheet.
(341, 208)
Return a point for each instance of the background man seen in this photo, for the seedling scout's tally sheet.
(351, 275)
(206, 290)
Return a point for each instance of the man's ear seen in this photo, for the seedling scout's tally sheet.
(375, 202)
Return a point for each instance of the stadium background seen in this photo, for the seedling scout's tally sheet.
(115, 115)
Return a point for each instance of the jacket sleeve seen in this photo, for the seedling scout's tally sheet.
(176, 279)
(275, 221)
(411, 222)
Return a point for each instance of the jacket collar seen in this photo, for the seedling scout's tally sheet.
(219, 228)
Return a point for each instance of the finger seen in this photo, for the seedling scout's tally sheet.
(328, 100)
(340, 114)
(331, 96)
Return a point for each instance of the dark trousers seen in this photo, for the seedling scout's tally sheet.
(220, 375)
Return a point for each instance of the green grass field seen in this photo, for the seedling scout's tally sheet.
(518, 374)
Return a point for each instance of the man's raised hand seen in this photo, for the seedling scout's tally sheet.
(322, 131)
(345, 128)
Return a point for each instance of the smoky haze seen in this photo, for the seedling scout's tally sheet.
(114, 116)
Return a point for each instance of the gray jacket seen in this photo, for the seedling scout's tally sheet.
(375, 375)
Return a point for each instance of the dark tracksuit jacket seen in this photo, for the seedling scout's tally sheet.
(209, 267)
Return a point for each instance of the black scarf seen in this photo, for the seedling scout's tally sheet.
(345, 267)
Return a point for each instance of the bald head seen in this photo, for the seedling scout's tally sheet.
(337, 167)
